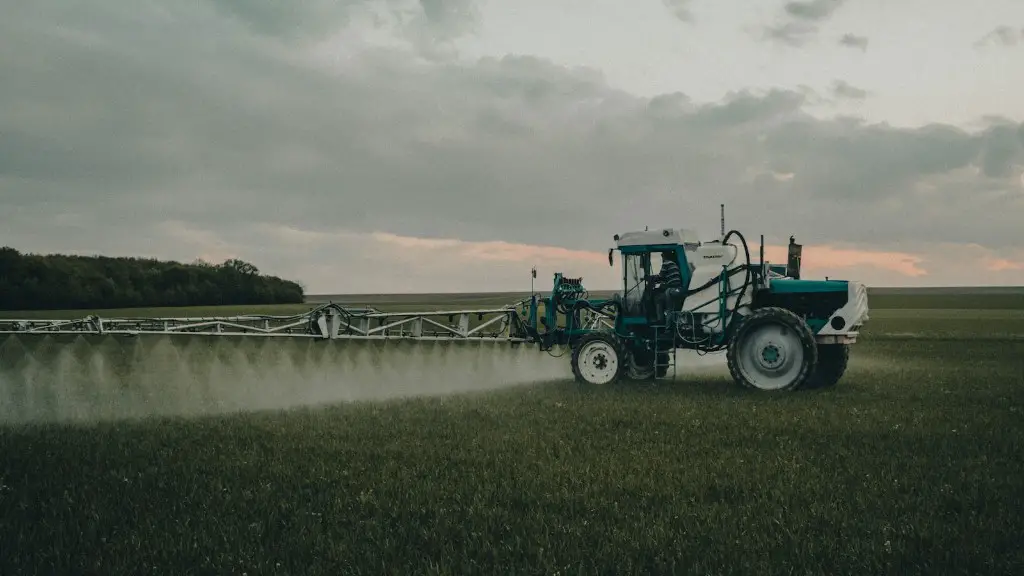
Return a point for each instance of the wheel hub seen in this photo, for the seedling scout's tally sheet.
(772, 356)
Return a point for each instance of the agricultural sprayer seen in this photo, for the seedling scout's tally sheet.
(779, 332)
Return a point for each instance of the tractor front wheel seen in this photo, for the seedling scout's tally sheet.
(598, 359)
(773, 349)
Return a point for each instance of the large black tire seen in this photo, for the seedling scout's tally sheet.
(644, 368)
(832, 362)
(598, 359)
(779, 363)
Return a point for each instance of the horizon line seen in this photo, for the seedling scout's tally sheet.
(485, 292)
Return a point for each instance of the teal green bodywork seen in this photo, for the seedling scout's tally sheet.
(791, 286)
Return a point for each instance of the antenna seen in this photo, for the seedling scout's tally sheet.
(723, 221)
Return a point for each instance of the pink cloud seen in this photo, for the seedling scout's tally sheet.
(826, 258)
(390, 262)
(1002, 265)
(815, 258)
(414, 243)
(494, 250)
(207, 244)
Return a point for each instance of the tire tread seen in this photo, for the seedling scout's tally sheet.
(789, 319)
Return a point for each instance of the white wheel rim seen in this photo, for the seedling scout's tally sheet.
(770, 357)
(598, 362)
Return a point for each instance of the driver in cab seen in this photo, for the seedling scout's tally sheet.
(668, 282)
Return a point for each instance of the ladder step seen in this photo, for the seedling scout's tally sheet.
(669, 363)
(670, 351)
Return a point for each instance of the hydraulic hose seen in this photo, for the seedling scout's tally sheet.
(747, 281)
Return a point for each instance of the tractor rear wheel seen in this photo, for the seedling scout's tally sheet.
(832, 362)
(773, 349)
(641, 366)
(598, 359)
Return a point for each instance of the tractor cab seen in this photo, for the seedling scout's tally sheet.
(656, 271)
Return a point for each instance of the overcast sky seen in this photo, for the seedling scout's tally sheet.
(403, 145)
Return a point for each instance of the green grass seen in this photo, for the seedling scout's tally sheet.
(991, 298)
(911, 465)
(948, 323)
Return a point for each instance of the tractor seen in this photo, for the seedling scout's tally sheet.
(779, 332)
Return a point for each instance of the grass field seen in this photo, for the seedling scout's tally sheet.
(911, 465)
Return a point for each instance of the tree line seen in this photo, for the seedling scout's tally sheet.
(64, 282)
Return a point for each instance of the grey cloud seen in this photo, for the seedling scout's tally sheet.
(680, 9)
(792, 34)
(1001, 149)
(451, 16)
(843, 90)
(214, 124)
(812, 10)
(800, 21)
(292, 20)
(854, 41)
(421, 21)
(847, 159)
(1002, 36)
